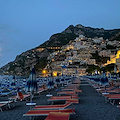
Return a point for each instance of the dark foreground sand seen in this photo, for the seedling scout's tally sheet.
(92, 106)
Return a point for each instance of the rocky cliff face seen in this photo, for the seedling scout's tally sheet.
(22, 64)
(91, 32)
(72, 32)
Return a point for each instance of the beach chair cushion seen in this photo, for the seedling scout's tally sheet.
(53, 106)
(114, 96)
(57, 98)
(43, 86)
(20, 96)
(117, 90)
(47, 112)
(57, 116)
(72, 101)
(67, 93)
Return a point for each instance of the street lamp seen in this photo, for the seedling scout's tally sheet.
(44, 72)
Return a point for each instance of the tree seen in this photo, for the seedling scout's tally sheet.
(92, 68)
(110, 67)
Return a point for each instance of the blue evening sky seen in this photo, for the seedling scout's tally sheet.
(25, 24)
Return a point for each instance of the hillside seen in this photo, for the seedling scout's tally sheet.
(37, 56)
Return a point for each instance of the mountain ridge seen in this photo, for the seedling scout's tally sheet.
(34, 57)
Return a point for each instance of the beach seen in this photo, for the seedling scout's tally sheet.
(92, 106)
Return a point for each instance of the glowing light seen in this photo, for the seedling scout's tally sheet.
(44, 71)
(54, 73)
(118, 54)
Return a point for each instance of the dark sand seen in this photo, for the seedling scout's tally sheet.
(92, 106)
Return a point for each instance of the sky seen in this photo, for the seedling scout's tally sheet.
(26, 24)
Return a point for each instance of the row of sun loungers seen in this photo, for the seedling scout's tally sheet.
(19, 97)
(46, 112)
(61, 111)
(53, 112)
(6, 104)
(39, 107)
(111, 93)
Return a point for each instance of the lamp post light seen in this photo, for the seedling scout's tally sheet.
(44, 72)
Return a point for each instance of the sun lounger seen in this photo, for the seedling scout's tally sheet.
(77, 81)
(117, 84)
(7, 103)
(73, 86)
(117, 90)
(72, 101)
(75, 90)
(58, 98)
(78, 91)
(57, 116)
(47, 112)
(41, 107)
(68, 89)
(66, 93)
(20, 97)
(112, 98)
(103, 89)
(2, 105)
(61, 98)
(40, 90)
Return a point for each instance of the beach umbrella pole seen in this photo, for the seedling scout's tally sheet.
(105, 89)
(72, 106)
(31, 97)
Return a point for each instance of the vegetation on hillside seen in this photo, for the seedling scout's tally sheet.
(99, 60)
(41, 64)
(91, 69)
(108, 68)
(59, 39)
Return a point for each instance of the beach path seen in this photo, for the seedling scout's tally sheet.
(93, 106)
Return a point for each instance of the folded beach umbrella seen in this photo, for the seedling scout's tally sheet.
(13, 82)
(13, 85)
(57, 80)
(52, 84)
(32, 83)
(49, 85)
(104, 79)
